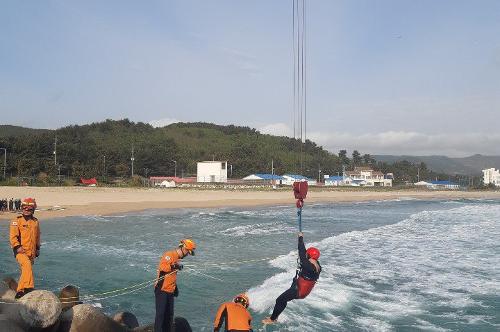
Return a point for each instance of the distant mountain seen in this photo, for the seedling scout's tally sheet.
(466, 166)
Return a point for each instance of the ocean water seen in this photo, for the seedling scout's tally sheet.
(401, 265)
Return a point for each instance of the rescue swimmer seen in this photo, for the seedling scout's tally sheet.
(305, 278)
(235, 314)
(166, 284)
(24, 235)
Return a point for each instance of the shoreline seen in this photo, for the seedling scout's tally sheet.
(55, 202)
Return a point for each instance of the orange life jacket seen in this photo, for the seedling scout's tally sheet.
(236, 316)
(168, 283)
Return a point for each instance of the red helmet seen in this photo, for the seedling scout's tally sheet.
(29, 202)
(242, 299)
(313, 253)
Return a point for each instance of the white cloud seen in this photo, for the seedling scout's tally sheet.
(398, 142)
(410, 143)
(162, 122)
(276, 129)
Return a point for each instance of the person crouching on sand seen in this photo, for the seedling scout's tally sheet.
(303, 282)
(25, 242)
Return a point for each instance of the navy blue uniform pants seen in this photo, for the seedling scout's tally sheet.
(164, 311)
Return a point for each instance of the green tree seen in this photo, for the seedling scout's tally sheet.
(368, 160)
(356, 158)
(343, 157)
(122, 170)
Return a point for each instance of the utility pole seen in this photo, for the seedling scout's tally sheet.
(418, 174)
(272, 166)
(132, 159)
(104, 167)
(4, 161)
(55, 151)
(319, 173)
(175, 168)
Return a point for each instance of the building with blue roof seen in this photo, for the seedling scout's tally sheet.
(335, 180)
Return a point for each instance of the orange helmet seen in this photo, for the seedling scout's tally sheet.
(29, 202)
(189, 245)
(242, 299)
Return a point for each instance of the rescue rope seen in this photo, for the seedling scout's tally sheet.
(204, 274)
(124, 293)
(120, 291)
(190, 269)
(142, 285)
(139, 286)
(147, 283)
(231, 262)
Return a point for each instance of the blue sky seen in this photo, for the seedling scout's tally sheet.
(383, 77)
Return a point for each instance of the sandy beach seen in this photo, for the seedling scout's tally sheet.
(75, 201)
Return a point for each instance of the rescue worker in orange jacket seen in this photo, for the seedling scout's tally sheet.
(236, 315)
(303, 282)
(166, 284)
(25, 242)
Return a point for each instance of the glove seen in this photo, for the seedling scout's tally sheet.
(176, 291)
(177, 266)
(37, 253)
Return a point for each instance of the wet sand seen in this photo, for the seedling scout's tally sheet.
(56, 202)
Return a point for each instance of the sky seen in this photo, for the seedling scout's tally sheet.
(383, 77)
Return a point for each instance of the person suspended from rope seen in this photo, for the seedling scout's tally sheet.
(25, 243)
(235, 314)
(166, 284)
(305, 278)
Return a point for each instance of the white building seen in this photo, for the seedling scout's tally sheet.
(491, 176)
(366, 176)
(211, 171)
(289, 179)
(162, 181)
(438, 185)
(259, 177)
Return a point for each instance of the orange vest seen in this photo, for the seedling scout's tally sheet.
(26, 234)
(236, 316)
(168, 284)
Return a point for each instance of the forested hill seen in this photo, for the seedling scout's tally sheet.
(105, 149)
(8, 130)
